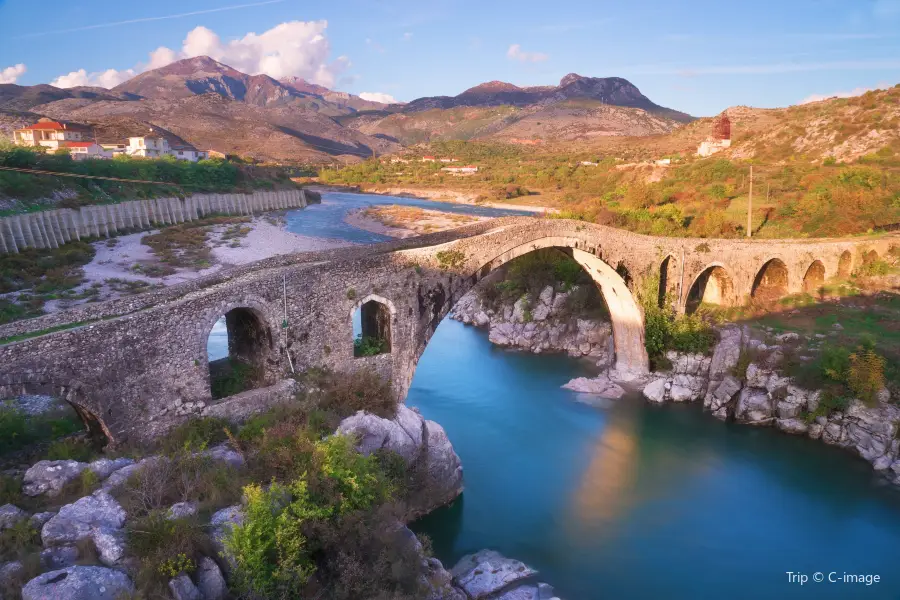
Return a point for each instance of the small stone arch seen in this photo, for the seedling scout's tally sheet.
(814, 278)
(771, 282)
(845, 265)
(668, 279)
(250, 349)
(74, 394)
(869, 257)
(377, 316)
(714, 285)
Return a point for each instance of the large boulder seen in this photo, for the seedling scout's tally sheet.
(655, 391)
(488, 572)
(727, 352)
(79, 583)
(221, 524)
(51, 476)
(418, 442)
(209, 580)
(720, 396)
(601, 385)
(120, 476)
(687, 388)
(97, 517)
(182, 588)
(754, 407)
(105, 467)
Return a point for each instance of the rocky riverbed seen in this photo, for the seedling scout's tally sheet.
(547, 324)
(760, 394)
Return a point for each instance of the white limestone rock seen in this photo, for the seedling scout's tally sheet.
(51, 476)
(487, 572)
(794, 426)
(402, 434)
(79, 583)
(655, 391)
(105, 467)
(225, 454)
(110, 545)
(221, 525)
(182, 588)
(720, 398)
(598, 386)
(757, 376)
(445, 472)
(92, 516)
(754, 407)
(209, 579)
(120, 476)
(181, 510)
(38, 520)
(687, 388)
(10, 515)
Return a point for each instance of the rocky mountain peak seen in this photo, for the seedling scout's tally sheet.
(491, 87)
(571, 78)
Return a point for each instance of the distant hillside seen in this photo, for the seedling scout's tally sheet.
(579, 108)
(210, 121)
(614, 91)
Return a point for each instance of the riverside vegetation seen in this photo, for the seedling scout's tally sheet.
(319, 519)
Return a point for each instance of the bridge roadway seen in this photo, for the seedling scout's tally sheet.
(134, 367)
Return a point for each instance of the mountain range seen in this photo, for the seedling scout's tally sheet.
(213, 105)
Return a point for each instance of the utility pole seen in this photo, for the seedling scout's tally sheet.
(750, 206)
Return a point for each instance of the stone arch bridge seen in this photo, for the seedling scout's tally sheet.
(135, 366)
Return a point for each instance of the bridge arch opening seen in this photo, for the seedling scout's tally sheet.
(624, 313)
(64, 404)
(771, 282)
(845, 263)
(814, 278)
(870, 257)
(372, 317)
(712, 286)
(668, 280)
(238, 347)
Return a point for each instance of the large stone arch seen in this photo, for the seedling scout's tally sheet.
(845, 265)
(714, 284)
(627, 318)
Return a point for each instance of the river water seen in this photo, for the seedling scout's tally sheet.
(621, 499)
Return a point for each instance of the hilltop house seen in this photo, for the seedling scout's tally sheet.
(189, 153)
(51, 134)
(429, 159)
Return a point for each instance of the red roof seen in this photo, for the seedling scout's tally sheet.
(77, 144)
(56, 126)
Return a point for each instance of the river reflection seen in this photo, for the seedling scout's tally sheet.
(629, 500)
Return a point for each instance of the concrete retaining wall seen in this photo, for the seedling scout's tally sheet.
(52, 228)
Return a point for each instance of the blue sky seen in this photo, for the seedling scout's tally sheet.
(699, 56)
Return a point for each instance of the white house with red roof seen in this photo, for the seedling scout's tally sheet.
(51, 134)
(83, 150)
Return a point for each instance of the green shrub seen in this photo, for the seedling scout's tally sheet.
(272, 552)
(79, 449)
(665, 330)
(19, 430)
(450, 259)
(232, 376)
(367, 345)
(865, 374)
(165, 546)
(198, 433)
(18, 540)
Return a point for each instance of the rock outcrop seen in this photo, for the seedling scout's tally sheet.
(686, 382)
(543, 324)
(79, 583)
(421, 443)
(97, 517)
(489, 574)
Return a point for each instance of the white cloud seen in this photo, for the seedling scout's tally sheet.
(298, 48)
(378, 97)
(845, 94)
(374, 45)
(11, 74)
(515, 52)
(109, 78)
(407, 36)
